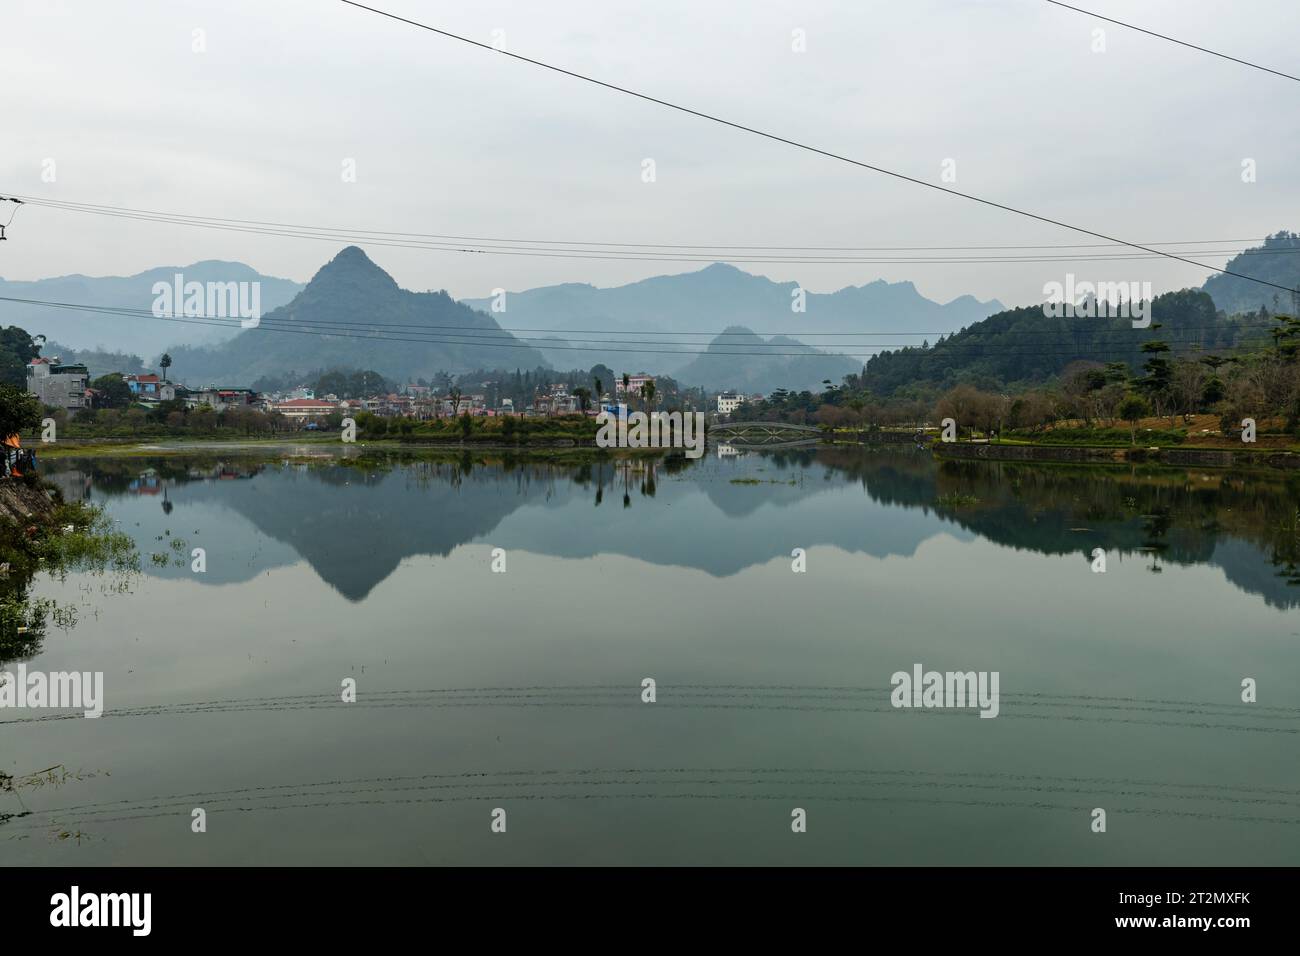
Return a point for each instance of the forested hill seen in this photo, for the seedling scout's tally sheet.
(1277, 261)
(1024, 347)
(405, 335)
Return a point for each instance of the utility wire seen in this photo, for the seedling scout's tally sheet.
(643, 255)
(192, 219)
(499, 332)
(959, 349)
(1191, 46)
(812, 149)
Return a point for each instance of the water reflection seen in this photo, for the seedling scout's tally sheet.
(355, 520)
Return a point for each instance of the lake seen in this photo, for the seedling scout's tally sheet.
(499, 617)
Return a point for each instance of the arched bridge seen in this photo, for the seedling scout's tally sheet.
(763, 434)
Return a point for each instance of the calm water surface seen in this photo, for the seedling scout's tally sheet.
(522, 690)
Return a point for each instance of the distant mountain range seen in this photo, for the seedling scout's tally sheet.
(142, 335)
(431, 333)
(722, 295)
(426, 333)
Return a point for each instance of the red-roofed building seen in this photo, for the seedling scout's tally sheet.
(143, 386)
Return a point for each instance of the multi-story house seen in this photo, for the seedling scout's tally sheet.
(219, 398)
(58, 385)
(143, 386)
(728, 402)
(634, 383)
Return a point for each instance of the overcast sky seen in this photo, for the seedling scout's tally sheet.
(1144, 141)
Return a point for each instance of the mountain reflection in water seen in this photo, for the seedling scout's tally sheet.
(355, 520)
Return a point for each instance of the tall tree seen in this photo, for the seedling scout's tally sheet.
(17, 348)
(19, 411)
(1133, 409)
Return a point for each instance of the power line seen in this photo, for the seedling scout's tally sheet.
(959, 349)
(192, 219)
(630, 254)
(812, 149)
(499, 332)
(275, 325)
(1191, 46)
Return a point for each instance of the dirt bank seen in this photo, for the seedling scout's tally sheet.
(21, 502)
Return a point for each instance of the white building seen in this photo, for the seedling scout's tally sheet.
(304, 408)
(728, 402)
(635, 383)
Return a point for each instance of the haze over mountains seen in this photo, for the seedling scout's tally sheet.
(142, 335)
(423, 333)
(719, 296)
(720, 366)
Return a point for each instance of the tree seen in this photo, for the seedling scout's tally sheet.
(165, 363)
(584, 398)
(175, 406)
(960, 404)
(1159, 379)
(1189, 381)
(113, 392)
(19, 411)
(1214, 389)
(1133, 409)
(17, 348)
(1079, 380)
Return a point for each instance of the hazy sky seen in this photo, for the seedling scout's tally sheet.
(1144, 141)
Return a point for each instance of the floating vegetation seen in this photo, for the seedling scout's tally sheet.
(75, 536)
(53, 777)
(954, 500)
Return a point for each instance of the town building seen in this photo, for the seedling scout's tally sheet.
(302, 409)
(143, 386)
(728, 402)
(635, 383)
(220, 398)
(56, 384)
